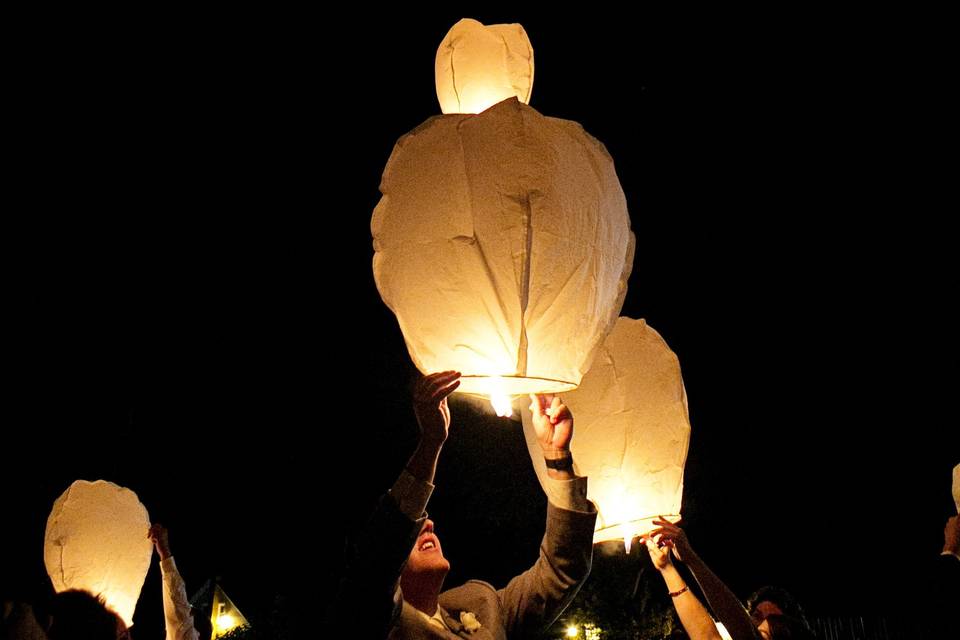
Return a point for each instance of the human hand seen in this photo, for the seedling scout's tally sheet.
(660, 556)
(430, 405)
(951, 535)
(553, 423)
(161, 540)
(673, 537)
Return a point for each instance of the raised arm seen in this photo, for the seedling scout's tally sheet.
(694, 616)
(369, 599)
(723, 601)
(534, 599)
(177, 616)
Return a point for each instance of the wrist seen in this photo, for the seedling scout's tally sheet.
(561, 463)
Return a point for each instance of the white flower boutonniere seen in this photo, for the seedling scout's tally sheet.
(469, 621)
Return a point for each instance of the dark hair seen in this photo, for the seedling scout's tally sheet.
(788, 628)
(780, 597)
(80, 615)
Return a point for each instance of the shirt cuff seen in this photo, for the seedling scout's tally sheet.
(568, 494)
(950, 553)
(411, 495)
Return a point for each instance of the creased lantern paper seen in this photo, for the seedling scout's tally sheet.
(631, 432)
(478, 66)
(503, 245)
(956, 487)
(96, 539)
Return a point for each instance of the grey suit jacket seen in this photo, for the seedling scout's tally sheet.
(371, 604)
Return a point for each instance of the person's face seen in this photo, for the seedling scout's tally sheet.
(426, 556)
(764, 609)
(764, 629)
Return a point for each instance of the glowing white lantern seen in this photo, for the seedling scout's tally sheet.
(956, 487)
(478, 66)
(96, 540)
(631, 430)
(503, 246)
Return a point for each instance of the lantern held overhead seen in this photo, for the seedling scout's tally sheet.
(503, 245)
(96, 540)
(632, 432)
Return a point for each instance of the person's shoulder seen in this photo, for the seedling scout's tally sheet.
(470, 586)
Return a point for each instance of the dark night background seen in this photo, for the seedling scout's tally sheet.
(191, 311)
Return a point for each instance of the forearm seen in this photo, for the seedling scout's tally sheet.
(176, 608)
(534, 599)
(693, 615)
(423, 463)
(368, 596)
(723, 601)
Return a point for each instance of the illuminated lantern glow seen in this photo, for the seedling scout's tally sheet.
(478, 66)
(96, 540)
(503, 245)
(956, 487)
(632, 432)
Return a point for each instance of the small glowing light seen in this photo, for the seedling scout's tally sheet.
(629, 531)
(499, 399)
(226, 622)
(572, 631)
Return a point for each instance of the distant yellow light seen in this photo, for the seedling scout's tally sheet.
(226, 622)
(572, 631)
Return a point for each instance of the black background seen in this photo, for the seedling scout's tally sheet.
(191, 312)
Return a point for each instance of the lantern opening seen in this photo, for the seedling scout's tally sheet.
(627, 531)
(488, 385)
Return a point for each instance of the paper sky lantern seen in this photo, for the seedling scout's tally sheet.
(956, 487)
(96, 540)
(478, 66)
(631, 432)
(503, 245)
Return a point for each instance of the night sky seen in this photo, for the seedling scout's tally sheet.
(191, 311)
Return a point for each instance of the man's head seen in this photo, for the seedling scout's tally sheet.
(426, 561)
(79, 615)
(774, 601)
(424, 572)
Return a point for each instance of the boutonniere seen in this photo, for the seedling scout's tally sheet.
(469, 621)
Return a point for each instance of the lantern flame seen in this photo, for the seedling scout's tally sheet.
(501, 404)
(499, 399)
(629, 531)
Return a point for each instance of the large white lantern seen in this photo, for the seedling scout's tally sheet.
(631, 432)
(96, 540)
(503, 245)
(956, 487)
(478, 66)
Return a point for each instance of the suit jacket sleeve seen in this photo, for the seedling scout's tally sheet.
(369, 600)
(534, 599)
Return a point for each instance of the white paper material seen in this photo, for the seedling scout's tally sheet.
(478, 66)
(956, 487)
(96, 540)
(631, 432)
(503, 245)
